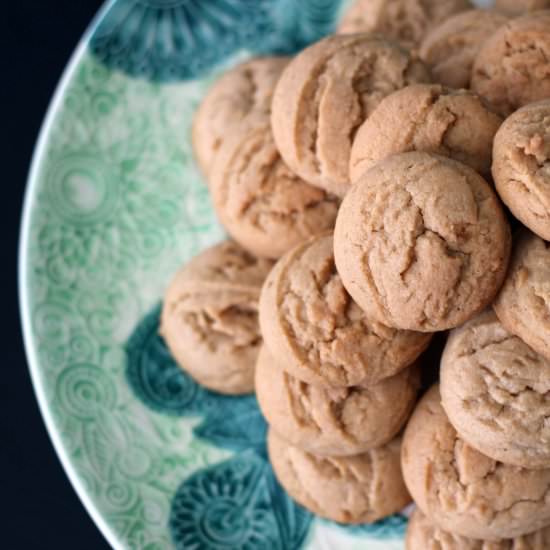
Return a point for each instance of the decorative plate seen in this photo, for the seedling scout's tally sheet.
(115, 204)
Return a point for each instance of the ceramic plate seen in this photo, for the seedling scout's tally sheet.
(115, 205)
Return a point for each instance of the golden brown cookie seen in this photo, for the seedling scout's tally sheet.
(517, 7)
(263, 205)
(423, 535)
(449, 49)
(421, 242)
(406, 21)
(246, 89)
(521, 165)
(326, 92)
(333, 421)
(353, 489)
(524, 300)
(210, 317)
(495, 390)
(512, 68)
(463, 491)
(313, 327)
(427, 117)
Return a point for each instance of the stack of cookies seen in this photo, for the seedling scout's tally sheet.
(364, 186)
(336, 388)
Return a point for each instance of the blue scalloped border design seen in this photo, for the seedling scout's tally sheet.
(172, 40)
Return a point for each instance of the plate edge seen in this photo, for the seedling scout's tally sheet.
(23, 277)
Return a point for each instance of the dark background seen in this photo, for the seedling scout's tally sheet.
(39, 507)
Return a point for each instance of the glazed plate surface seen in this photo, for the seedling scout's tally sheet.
(115, 204)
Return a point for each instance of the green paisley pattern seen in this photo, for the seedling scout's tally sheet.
(118, 207)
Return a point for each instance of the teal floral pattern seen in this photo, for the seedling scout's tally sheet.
(236, 504)
(169, 40)
(233, 423)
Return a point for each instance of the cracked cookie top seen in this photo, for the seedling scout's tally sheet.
(333, 421)
(244, 90)
(463, 491)
(423, 535)
(521, 165)
(524, 301)
(405, 21)
(495, 390)
(421, 242)
(430, 118)
(318, 333)
(353, 489)
(210, 317)
(450, 48)
(512, 68)
(262, 203)
(326, 92)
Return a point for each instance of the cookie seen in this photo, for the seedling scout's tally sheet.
(354, 489)
(421, 242)
(313, 327)
(405, 21)
(450, 48)
(495, 390)
(463, 491)
(524, 300)
(430, 118)
(331, 421)
(512, 68)
(326, 92)
(521, 166)
(262, 203)
(246, 89)
(517, 7)
(210, 317)
(423, 535)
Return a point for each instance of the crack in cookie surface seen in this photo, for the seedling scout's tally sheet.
(462, 490)
(323, 331)
(513, 68)
(496, 391)
(421, 242)
(334, 421)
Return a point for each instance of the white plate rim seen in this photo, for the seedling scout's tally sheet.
(23, 277)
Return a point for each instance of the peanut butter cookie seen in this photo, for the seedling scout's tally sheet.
(421, 242)
(353, 489)
(463, 491)
(495, 390)
(423, 535)
(517, 7)
(524, 301)
(333, 421)
(427, 117)
(326, 92)
(521, 166)
(312, 326)
(210, 317)
(262, 203)
(450, 48)
(405, 21)
(512, 68)
(246, 89)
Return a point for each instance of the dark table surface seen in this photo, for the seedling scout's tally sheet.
(39, 508)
